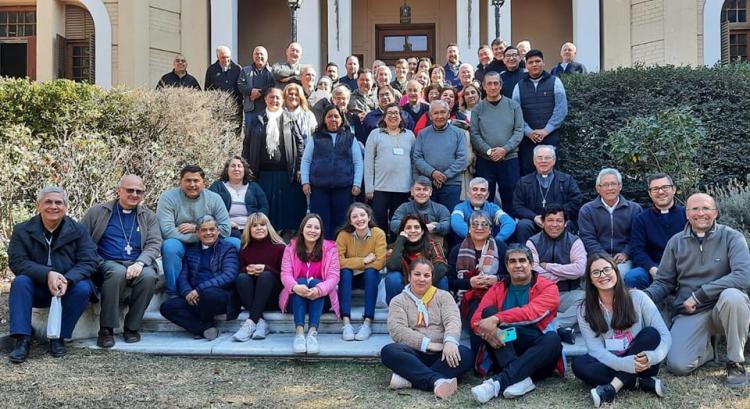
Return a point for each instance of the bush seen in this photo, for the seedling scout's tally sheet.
(733, 202)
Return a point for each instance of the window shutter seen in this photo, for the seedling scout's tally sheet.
(92, 59)
(62, 47)
(724, 30)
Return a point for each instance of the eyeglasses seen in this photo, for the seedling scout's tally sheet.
(512, 55)
(133, 191)
(604, 271)
(393, 114)
(701, 209)
(664, 188)
(545, 157)
(480, 225)
(609, 185)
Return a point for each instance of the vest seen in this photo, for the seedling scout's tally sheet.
(537, 104)
(332, 166)
(556, 251)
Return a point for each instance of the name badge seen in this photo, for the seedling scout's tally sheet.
(615, 344)
(398, 151)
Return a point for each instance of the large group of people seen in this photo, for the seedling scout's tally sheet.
(471, 227)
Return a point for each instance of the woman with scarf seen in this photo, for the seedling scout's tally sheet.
(425, 325)
(476, 265)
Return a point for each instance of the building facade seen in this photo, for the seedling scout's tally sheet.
(133, 42)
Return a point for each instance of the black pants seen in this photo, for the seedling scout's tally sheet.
(258, 293)
(384, 204)
(534, 357)
(422, 369)
(196, 318)
(590, 370)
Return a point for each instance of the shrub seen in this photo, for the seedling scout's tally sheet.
(733, 202)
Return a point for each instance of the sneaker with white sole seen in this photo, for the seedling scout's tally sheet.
(363, 333)
(485, 391)
(519, 389)
(445, 388)
(652, 384)
(300, 344)
(312, 343)
(348, 333)
(261, 330)
(245, 332)
(398, 382)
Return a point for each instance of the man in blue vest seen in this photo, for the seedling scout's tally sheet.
(544, 105)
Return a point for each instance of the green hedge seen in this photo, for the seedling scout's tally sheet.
(603, 103)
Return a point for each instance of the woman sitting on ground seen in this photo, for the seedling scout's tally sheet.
(309, 272)
(361, 247)
(413, 242)
(425, 325)
(241, 195)
(625, 335)
(258, 282)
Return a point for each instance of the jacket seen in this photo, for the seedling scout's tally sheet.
(573, 67)
(563, 190)
(504, 225)
(255, 197)
(602, 232)
(254, 145)
(291, 269)
(251, 78)
(225, 265)
(429, 212)
(73, 253)
(218, 79)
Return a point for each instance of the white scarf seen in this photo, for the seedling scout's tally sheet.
(273, 133)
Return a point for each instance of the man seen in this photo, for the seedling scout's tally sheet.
(363, 99)
(307, 78)
(498, 53)
(413, 64)
(465, 76)
(604, 223)
(128, 241)
(513, 71)
(288, 71)
(223, 74)
(375, 65)
(536, 191)
(177, 211)
(253, 83)
(503, 225)
(179, 76)
(440, 153)
(568, 65)
(352, 68)
(402, 74)
(707, 269)
(452, 65)
(332, 72)
(50, 255)
(496, 131)
(484, 54)
(544, 105)
(436, 216)
(560, 257)
(652, 229)
(527, 303)
(415, 107)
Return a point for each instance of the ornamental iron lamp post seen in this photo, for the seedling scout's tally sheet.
(498, 5)
(294, 5)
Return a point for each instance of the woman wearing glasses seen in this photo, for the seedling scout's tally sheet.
(624, 333)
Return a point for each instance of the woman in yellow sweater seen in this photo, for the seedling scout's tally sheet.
(362, 249)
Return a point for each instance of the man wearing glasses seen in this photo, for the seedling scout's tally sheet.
(707, 269)
(128, 241)
(513, 71)
(652, 229)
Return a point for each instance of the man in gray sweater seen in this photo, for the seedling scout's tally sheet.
(496, 132)
(440, 153)
(707, 268)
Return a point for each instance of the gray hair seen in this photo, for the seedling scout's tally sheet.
(550, 147)
(307, 67)
(439, 103)
(609, 171)
(423, 181)
(478, 181)
(493, 74)
(52, 189)
(205, 219)
(223, 48)
(467, 66)
(481, 215)
(341, 89)
(518, 248)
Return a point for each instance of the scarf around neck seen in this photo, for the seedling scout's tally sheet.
(273, 133)
(423, 316)
(468, 266)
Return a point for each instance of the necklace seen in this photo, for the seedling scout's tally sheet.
(128, 248)
(544, 194)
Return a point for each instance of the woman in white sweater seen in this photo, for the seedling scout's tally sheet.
(624, 333)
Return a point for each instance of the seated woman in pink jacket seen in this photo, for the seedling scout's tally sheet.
(309, 272)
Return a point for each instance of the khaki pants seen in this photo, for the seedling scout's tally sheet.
(691, 334)
(116, 291)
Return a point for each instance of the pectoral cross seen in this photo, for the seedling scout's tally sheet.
(128, 249)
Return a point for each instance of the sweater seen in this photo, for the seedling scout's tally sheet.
(650, 232)
(445, 321)
(255, 197)
(175, 208)
(443, 150)
(603, 232)
(262, 252)
(647, 316)
(429, 212)
(386, 171)
(503, 228)
(495, 126)
(352, 250)
(292, 268)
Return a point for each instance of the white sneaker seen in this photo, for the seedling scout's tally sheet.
(348, 333)
(261, 330)
(445, 388)
(300, 345)
(245, 332)
(399, 382)
(485, 391)
(364, 332)
(312, 343)
(519, 389)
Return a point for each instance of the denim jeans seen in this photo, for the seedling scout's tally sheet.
(302, 306)
(394, 284)
(637, 277)
(368, 279)
(448, 196)
(331, 205)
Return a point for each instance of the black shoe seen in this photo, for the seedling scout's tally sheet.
(567, 335)
(603, 394)
(129, 336)
(21, 351)
(652, 384)
(57, 348)
(736, 376)
(105, 339)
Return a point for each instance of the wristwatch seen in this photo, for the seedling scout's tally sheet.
(489, 152)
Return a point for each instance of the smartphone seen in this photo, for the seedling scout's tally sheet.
(507, 335)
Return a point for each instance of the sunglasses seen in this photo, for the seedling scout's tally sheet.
(130, 191)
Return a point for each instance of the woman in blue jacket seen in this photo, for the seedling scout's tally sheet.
(241, 195)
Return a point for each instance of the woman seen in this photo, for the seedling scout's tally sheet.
(437, 75)
(332, 169)
(423, 78)
(361, 247)
(424, 64)
(240, 194)
(297, 109)
(624, 333)
(273, 149)
(413, 242)
(422, 312)
(209, 269)
(322, 91)
(475, 266)
(309, 272)
(388, 168)
(258, 283)
(470, 97)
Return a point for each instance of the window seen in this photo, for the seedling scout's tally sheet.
(738, 45)
(17, 23)
(735, 31)
(394, 41)
(735, 11)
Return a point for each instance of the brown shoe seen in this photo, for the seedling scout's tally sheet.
(130, 337)
(105, 338)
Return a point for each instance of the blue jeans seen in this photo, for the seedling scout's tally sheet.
(331, 205)
(26, 294)
(369, 280)
(172, 252)
(196, 318)
(422, 369)
(394, 284)
(448, 196)
(302, 306)
(637, 277)
(504, 175)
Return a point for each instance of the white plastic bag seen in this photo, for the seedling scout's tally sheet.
(380, 303)
(54, 319)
